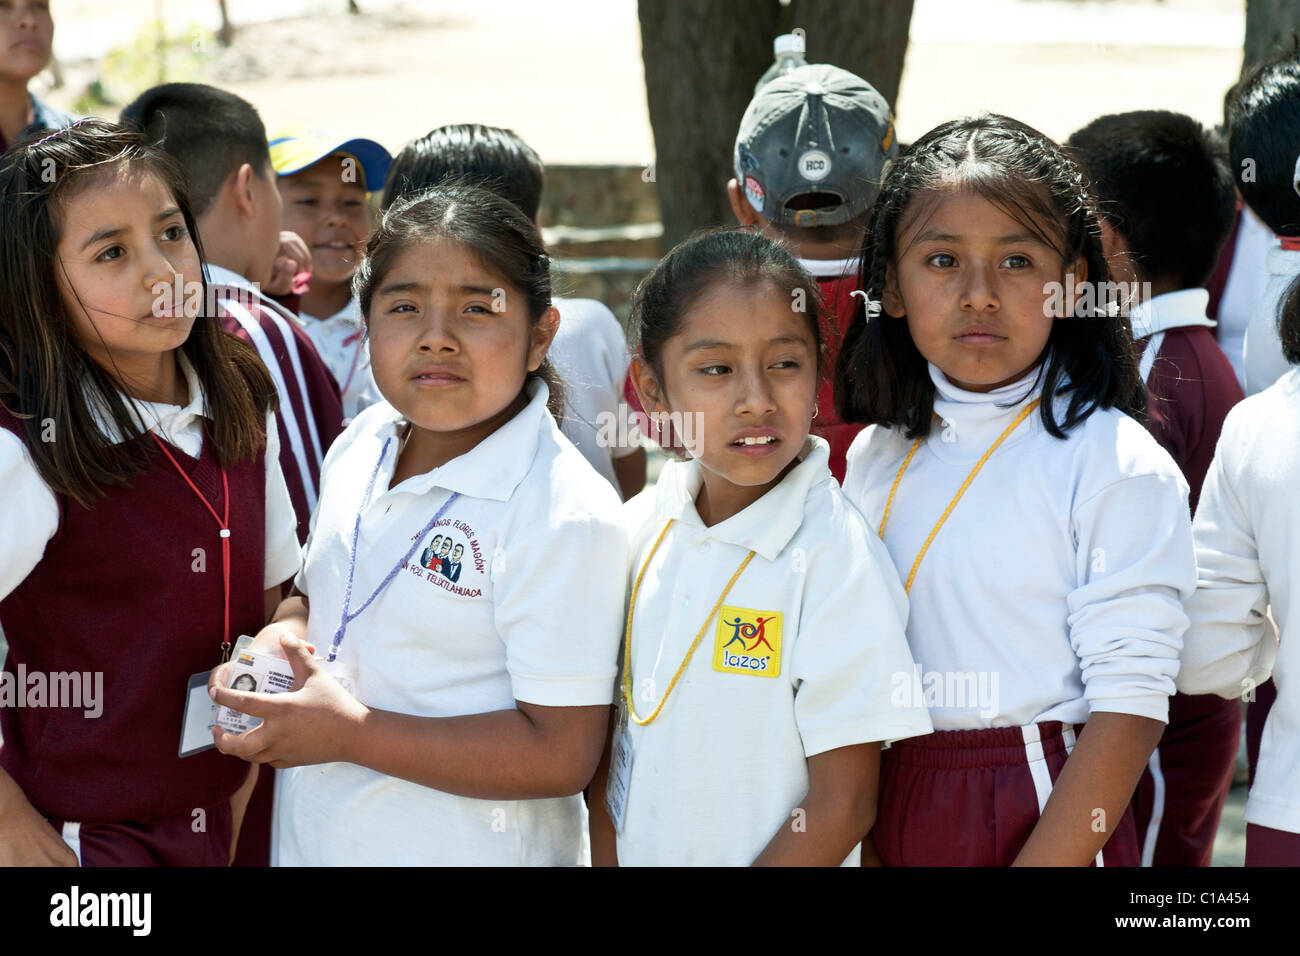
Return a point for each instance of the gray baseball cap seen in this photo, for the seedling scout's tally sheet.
(817, 129)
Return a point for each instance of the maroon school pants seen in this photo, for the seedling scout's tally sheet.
(1180, 797)
(972, 797)
(198, 838)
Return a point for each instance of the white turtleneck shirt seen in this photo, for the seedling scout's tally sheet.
(1055, 588)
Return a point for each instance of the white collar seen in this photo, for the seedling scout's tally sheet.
(220, 275)
(1171, 310)
(1013, 394)
(164, 419)
(494, 467)
(349, 315)
(767, 525)
(831, 268)
(1283, 262)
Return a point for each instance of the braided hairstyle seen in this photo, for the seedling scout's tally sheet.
(881, 377)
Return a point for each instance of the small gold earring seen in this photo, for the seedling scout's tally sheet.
(817, 409)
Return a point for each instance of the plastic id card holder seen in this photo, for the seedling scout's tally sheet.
(201, 710)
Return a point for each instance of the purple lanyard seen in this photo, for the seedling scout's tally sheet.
(346, 617)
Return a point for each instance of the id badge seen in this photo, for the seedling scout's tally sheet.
(200, 715)
(201, 710)
(620, 772)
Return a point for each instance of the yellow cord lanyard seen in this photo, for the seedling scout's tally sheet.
(627, 634)
(889, 502)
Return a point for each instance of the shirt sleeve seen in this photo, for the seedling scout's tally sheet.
(851, 653)
(282, 553)
(1230, 645)
(558, 605)
(30, 516)
(1137, 565)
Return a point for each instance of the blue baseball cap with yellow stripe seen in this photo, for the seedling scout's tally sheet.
(294, 148)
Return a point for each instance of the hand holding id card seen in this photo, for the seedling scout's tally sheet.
(311, 725)
(254, 673)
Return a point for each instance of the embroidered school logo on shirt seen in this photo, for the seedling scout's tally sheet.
(747, 642)
(452, 551)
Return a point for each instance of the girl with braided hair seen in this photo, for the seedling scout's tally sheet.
(1043, 536)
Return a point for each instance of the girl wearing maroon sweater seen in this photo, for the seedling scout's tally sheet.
(146, 522)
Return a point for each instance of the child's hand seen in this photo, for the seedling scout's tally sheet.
(266, 641)
(27, 839)
(291, 258)
(307, 725)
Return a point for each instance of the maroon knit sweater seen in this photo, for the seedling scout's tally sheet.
(117, 591)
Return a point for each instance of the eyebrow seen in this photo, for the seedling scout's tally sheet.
(703, 344)
(397, 287)
(111, 231)
(933, 235)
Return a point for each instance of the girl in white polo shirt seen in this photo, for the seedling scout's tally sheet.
(1247, 532)
(764, 634)
(480, 702)
(1042, 534)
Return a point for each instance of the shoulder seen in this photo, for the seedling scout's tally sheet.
(875, 450)
(1110, 447)
(562, 482)
(1252, 428)
(362, 431)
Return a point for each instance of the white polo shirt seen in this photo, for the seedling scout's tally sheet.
(1247, 532)
(590, 355)
(341, 341)
(533, 613)
(31, 511)
(725, 764)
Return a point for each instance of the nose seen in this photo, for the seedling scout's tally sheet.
(335, 215)
(979, 294)
(160, 273)
(438, 335)
(756, 398)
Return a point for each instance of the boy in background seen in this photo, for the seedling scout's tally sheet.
(809, 159)
(1167, 204)
(324, 183)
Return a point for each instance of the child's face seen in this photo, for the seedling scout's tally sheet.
(26, 32)
(974, 284)
(742, 365)
(330, 215)
(122, 244)
(450, 340)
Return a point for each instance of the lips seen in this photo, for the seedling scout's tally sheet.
(979, 335)
(437, 376)
(755, 442)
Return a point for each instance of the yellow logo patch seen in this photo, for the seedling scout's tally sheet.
(747, 642)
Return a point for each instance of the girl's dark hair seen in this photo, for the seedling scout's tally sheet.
(45, 373)
(505, 240)
(488, 156)
(881, 377)
(1288, 327)
(686, 273)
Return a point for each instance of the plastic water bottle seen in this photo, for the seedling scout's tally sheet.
(788, 50)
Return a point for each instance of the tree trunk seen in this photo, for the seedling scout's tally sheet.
(1271, 26)
(701, 63)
